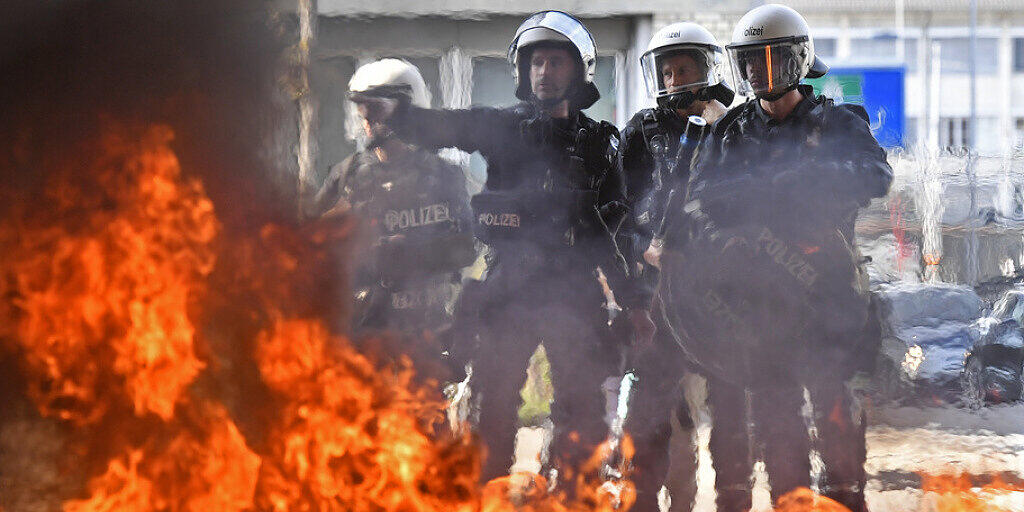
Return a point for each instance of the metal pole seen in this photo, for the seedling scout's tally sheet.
(972, 128)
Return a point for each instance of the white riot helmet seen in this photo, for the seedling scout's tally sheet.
(391, 78)
(561, 29)
(703, 69)
(771, 51)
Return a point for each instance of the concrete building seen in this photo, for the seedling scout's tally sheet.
(460, 46)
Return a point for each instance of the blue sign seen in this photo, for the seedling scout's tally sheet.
(878, 88)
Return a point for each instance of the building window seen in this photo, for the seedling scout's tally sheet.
(873, 48)
(953, 132)
(1018, 54)
(825, 47)
(956, 51)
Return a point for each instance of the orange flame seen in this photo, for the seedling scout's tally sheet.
(351, 437)
(104, 280)
(101, 280)
(956, 493)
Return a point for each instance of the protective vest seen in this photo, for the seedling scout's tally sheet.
(418, 212)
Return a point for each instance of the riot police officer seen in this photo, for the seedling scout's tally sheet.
(415, 208)
(682, 71)
(762, 271)
(553, 194)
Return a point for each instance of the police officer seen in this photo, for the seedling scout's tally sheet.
(682, 71)
(415, 208)
(762, 271)
(553, 193)
(682, 68)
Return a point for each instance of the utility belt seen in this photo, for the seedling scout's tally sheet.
(422, 303)
(546, 218)
(431, 293)
(447, 252)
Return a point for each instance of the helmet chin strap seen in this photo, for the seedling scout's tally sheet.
(776, 96)
(680, 100)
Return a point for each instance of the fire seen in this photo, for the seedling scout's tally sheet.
(112, 281)
(351, 437)
(107, 286)
(530, 492)
(956, 493)
(100, 279)
(806, 500)
(942, 493)
(204, 468)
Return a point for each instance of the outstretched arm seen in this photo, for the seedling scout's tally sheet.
(474, 129)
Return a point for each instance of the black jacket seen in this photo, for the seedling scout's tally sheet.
(537, 158)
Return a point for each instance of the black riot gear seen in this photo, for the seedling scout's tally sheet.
(553, 193)
(415, 209)
(760, 271)
(655, 156)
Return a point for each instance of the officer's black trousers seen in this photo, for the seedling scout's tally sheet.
(660, 396)
(565, 313)
(781, 439)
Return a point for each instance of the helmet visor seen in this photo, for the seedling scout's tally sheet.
(675, 69)
(766, 69)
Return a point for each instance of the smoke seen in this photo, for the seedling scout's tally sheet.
(206, 69)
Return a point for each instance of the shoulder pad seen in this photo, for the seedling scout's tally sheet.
(858, 110)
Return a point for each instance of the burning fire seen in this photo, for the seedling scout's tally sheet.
(107, 284)
(956, 493)
(100, 275)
